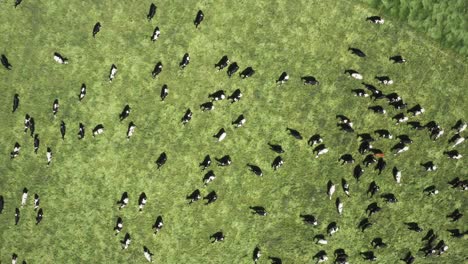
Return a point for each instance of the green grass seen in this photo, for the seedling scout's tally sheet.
(79, 190)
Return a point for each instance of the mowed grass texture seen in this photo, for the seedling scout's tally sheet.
(80, 188)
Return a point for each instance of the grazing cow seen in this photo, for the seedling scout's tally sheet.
(194, 196)
(164, 92)
(404, 139)
(364, 147)
(224, 161)
(142, 201)
(32, 126)
(373, 208)
(14, 257)
(118, 225)
(39, 216)
(185, 61)
(255, 169)
(354, 74)
(413, 226)
(284, 77)
(156, 34)
(345, 186)
(158, 224)
(389, 197)
(330, 189)
(431, 190)
(399, 148)
(321, 256)
(457, 139)
(60, 59)
(294, 133)
(430, 236)
(436, 133)
(309, 219)
(18, 2)
(112, 73)
(81, 131)
(55, 107)
(276, 148)
(217, 237)
(96, 29)
(247, 72)
(332, 228)
(218, 95)
(222, 63)
(384, 80)
(310, 80)
(360, 92)
(63, 129)
(152, 11)
(429, 166)
(24, 197)
(375, 20)
(458, 183)
(455, 215)
(364, 224)
(99, 129)
(123, 200)
(277, 163)
(207, 106)
(453, 154)
(125, 112)
(209, 177)
(206, 162)
(130, 130)
(344, 120)
(339, 206)
(396, 174)
(416, 125)
(409, 258)
(16, 151)
(16, 102)
(397, 59)
(157, 69)
(147, 253)
(198, 18)
(358, 172)
(459, 126)
(400, 118)
(232, 69)
(357, 52)
(5, 62)
(235, 96)
(393, 98)
(257, 253)
(340, 257)
(441, 247)
(36, 143)
(161, 160)
(457, 233)
(240, 121)
(347, 127)
(17, 215)
(187, 116)
(368, 255)
(275, 260)
(2, 204)
(82, 92)
(126, 241)
(320, 150)
(221, 135)
(416, 110)
(260, 210)
(211, 197)
(383, 133)
(315, 139)
(373, 189)
(378, 243)
(377, 109)
(320, 239)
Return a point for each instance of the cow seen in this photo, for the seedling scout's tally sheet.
(118, 225)
(275, 260)
(310, 80)
(194, 196)
(365, 137)
(14, 257)
(255, 169)
(147, 253)
(125, 112)
(354, 74)
(16, 102)
(82, 92)
(378, 243)
(396, 174)
(373, 189)
(211, 197)
(49, 156)
(235, 96)
(257, 253)
(409, 258)
(206, 162)
(198, 18)
(381, 165)
(457, 139)
(431, 190)
(156, 34)
(455, 215)
(185, 61)
(60, 59)
(376, 93)
(96, 29)
(357, 52)
(209, 177)
(364, 224)
(383, 133)
(358, 172)
(340, 256)
(321, 256)
(277, 163)
(81, 131)
(457, 233)
(315, 139)
(158, 224)
(221, 135)
(276, 148)
(436, 133)
(17, 215)
(429, 166)
(130, 130)
(458, 183)
(27, 122)
(399, 148)
(405, 139)
(416, 110)
(224, 161)
(416, 125)
(157, 69)
(55, 107)
(152, 12)
(161, 160)
(453, 154)
(345, 186)
(413, 226)
(232, 69)
(309, 219)
(372, 208)
(36, 143)
(217, 237)
(16, 151)
(398, 105)
(393, 98)
(126, 241)
(24, 197)
(5, 62)
(37, 201)
(368, 255)
(459, 126)
(17, 3)
(294, 133)
(259, 210)
(247, 72)
(364, 147)
(339, 206)
(164, 92)
(360, 92)
(346, 158)
(142, 201)
(397, 59)
(113, 72)
(240, 121)
(384, 80)
(40, 214)
(320, 150)
(123, 200)
(63, 129)
(32, 126)
(344, 120)
(218, 95)
(330, 189)
(320, 239)
(346, 127)
(207, 106)
(187, 117)
(375, 20)
(284, 77)
(222, 63)
(389, 197)
(332, 228)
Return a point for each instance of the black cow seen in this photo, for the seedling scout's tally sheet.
(39, 216)
(277, 163)
(125, 112)
(321, 256)
(284, 77)
(398, 105)
(315, 139)
(36, 143)
(344, 120)
(294, 133)
(17, 215)
(16, 151)
(142, 201)
(310, 80)
(375, 19)
(372, 208)
(458, 183)
(358, 172)
(413, 226)
(152, 11)
(455, 215)
(218, 95)
(240, 121)
(275, 260)
(118, 225)
(198, 18)
(378, 243)
(364, 224)
(373, 189)
(360, 92)
(16, 102)
(187, 117)
(217, 237)
(369, 159)
(209, 177)
(82, 92)
(96, 29)
(389, 197)
(123, 200)
(63, 129)
(185, 61)
(393, 97)
(256, 254)
(161, 160)
(156, 34)
(194, 196)
(211, 197)
(368, 255)
(164, 92)
(383, 133)
(81, 131)
(224, 161)
(232, 69)
(457, 233)
(235, 96)
(206, 162)
(276, 148)
(5, 62)
(397, 59)
(381, 165)
(416, 125)
(158, 224)
(112, 72)
(255, 169)
(2, 204)
(346, 127)
(377, 109)
(222, 63)
(364, 147)
(18, 2)
(346, 158)
(32, 126)
(208, 106)
(247, 72)
(345, 186)
(409, 258)
(55, 107)
(309, 219)
(260, 210)
(157, 69)
(357, 52)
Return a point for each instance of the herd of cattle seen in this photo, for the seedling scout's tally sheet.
(371, 155)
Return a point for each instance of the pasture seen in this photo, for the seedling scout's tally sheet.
(80, 188)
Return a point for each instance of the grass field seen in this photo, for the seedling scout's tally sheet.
(79, 189)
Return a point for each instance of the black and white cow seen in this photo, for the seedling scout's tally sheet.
(162, 159)
(400, 118)
(460, 126)
(123, 200)
(457, 139)
(255, 169)
(431, 190)
(345, 186)
(384, 80)
(198, 18)
(396, 174)
(320, 150)
(217, 237)
(369, 159)
(368, 255)
(151, 12)
(224, 161)
(96, 29)
(81, 131)
(276, 148)
(375, 20)
(5, 62)
(398, 105)
(364, 224)
(339, 206)
(125, 112)
(310, 80)
(113, 72)
(59, 58)
(409, 258)
(118, 225)
(320, 239)
(222, 63)
(416, 110)
(397, 59)
(357, 52)
(373, 208)
(40, 215)
(429, 166)
(284, 77)
(455, 215)
(235, 96)
(63, 129)
(360, 92)
(332, 228)
(164, 92)
(17, 215)
(240, 121)
(364, 147)
(37, 201)
(27, 122)
(453, 154)
(247, 72)
(158, 224)
(383, 133)
(277, 163)
(36, 143)
(209, 177)
(185, 61)
(399, 148)
(296, 134)
(142, 201)
(130, 130)
(17, 3)
(221, 135)
(393, 97)
(378, 243)
(232, 69)
(157, 69)
(346, 158)
(416, 125)
(194, 196)
(309, 219)
(208, 106)
(259, 210)
(55, 107)
(257, 253)
(373, 189)
(16, 102)
(147, 253)
(14, 258)
(315, 139)
(358, 172)
(49, 156)
(365, 137)
(381, 165)
(187, 116)
(331, 188)
(206, 162)
(156, 34)
(16, 151)
(211, 197)
(218, 95)
(321, 256)
(389, 197)
(2, 204)
(82, 92)
(126, 241)
(354, 74)
(24, 197)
